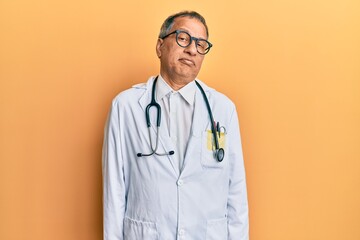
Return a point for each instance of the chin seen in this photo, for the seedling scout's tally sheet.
(189, 78)
(186, 74)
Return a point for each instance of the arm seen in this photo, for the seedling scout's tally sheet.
(238, 222)
(113, 178)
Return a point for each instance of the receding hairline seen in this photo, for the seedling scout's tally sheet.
(170, 21)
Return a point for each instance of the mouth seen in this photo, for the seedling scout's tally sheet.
(187, 61)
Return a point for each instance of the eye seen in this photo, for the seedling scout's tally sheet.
(202, 44)
(183, 37)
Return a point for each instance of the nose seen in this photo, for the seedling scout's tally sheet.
(191, 49)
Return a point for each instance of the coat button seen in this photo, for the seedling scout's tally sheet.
(180, 182)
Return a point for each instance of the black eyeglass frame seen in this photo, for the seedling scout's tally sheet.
(191, 39)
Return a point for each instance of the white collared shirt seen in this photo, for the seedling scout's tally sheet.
(177, 114)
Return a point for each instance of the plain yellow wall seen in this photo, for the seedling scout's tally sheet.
(291, 67)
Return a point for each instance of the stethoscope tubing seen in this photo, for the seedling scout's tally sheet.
(219, 152)
(153, 103)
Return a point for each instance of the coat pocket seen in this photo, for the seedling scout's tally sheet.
(217, 229)
(208, 159)
(139, 230)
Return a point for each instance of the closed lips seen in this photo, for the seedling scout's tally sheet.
(187, 61)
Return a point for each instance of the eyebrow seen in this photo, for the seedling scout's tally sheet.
(185, 30)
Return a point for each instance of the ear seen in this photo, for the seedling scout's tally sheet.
(159, 47)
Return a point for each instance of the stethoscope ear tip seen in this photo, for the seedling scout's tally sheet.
(139, 154)
(171, 153)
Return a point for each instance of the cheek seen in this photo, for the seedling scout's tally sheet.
(171, 55)
(199, 62)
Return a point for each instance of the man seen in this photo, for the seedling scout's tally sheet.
(185, 178)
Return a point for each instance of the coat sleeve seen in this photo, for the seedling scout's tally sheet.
(113, 178)
(237, 205)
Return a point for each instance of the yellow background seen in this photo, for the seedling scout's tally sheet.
(291, 67)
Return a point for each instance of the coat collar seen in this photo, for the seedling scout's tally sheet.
(200, 122)
(146, 97)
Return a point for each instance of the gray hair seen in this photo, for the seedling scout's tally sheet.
(169, 22)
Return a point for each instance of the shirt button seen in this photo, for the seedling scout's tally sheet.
(180, 182)
(181, 232)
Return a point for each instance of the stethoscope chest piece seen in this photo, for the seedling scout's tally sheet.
(220, 153)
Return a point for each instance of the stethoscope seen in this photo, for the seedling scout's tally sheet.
(219, 153)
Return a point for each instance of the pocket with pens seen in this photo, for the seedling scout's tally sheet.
(210, 140)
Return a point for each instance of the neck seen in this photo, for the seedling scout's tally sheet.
(176, 83)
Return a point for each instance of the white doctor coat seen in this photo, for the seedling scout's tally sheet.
(148, 198)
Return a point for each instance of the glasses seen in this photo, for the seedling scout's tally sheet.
(184, 39)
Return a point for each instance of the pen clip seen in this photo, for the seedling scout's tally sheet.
(218, 128)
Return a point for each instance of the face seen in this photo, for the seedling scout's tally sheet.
(178, 65)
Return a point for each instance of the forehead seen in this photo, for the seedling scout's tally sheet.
(191, 25)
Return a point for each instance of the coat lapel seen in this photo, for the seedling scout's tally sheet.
(199, 124)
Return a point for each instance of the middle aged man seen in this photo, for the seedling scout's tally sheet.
(183, 177)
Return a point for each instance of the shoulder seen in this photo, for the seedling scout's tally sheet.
(216, 96)
(131, 95)
(222, 107)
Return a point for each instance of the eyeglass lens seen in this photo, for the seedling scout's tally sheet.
(184, 39)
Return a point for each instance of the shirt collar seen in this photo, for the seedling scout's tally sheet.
(187, 92)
